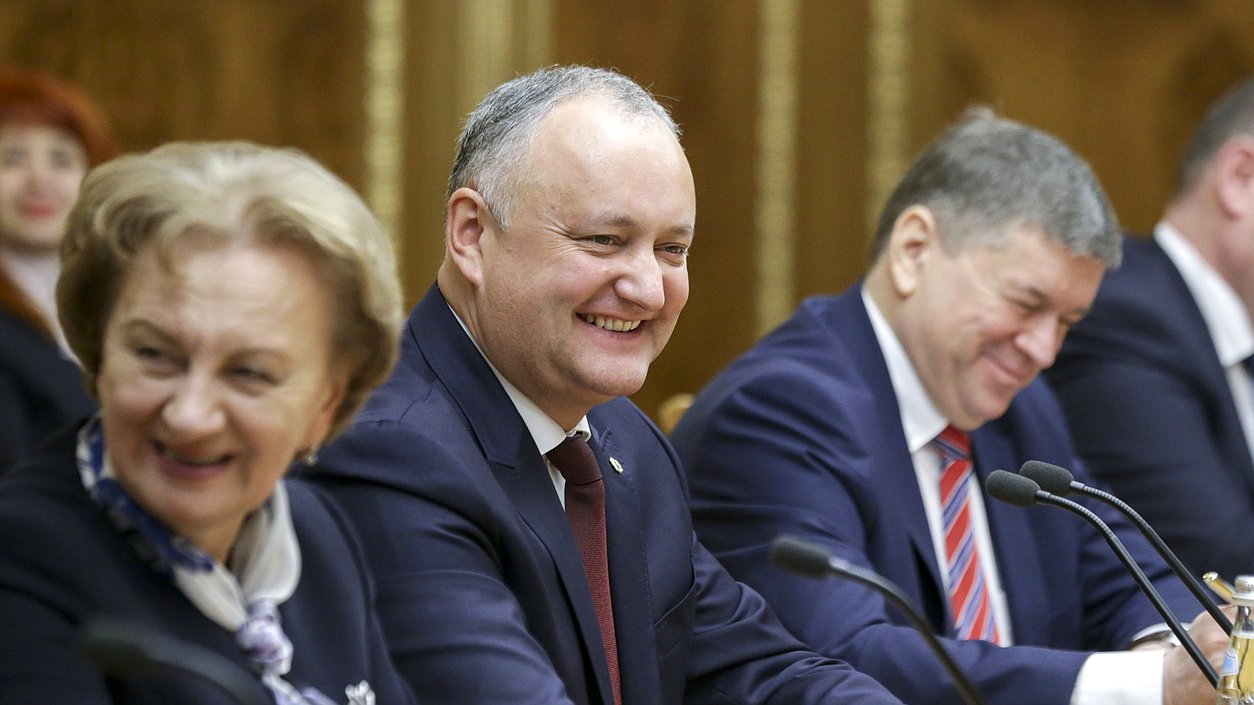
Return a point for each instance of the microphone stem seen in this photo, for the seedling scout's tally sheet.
(1152, 536)
(899, 601)
(1147, 587)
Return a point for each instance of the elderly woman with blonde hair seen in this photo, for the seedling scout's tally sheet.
(232, 306)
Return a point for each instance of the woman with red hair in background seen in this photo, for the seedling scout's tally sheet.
(50, 135)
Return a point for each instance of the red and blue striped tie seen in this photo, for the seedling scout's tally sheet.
(968, 592)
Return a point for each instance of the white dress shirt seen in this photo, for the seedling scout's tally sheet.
(1115, 678)
(546, 432)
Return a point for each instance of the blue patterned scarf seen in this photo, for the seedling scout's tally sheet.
(266, 559)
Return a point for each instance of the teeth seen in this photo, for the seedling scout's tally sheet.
(614, 324)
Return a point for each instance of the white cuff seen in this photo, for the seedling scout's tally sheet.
(1120, 678)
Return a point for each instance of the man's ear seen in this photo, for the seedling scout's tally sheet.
(913, 241)
(465, 224)
(1234, 176)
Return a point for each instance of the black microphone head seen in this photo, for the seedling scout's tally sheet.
(799, 556)
(1012, 488)
(117, 648)
(1051, 478)
(125, 649)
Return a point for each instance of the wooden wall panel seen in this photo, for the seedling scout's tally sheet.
(832, 169)
(1123, 82)
(699, 58)
(433, 119)
(282, 72)
(457, 51)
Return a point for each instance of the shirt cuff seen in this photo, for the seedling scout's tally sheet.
(1120, 678)
(1158, 632)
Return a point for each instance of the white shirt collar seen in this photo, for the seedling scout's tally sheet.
(920, 419)
(546, 432)
(1225, 315)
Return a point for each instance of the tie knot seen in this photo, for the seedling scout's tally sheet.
(953, 444)
(575, 460)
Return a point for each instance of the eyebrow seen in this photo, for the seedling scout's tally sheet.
(1034, 292)
(1041, 297)
(619, 220)
(143, 325)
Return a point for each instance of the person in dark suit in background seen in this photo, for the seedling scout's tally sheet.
(232, 306)
(867, 422)
(508, 570)
(1156, 381)
(50, 135)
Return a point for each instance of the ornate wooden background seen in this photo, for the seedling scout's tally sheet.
(798, 113)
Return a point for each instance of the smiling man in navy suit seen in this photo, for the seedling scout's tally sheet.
(527, 526)
(867, 423)
(1156, 381)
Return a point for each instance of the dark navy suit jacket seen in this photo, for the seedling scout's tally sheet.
(482, 592)
(803, 436)
(1152, 413)
(63, 562)
(40, 390)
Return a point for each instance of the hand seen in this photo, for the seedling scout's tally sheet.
(1183, 683)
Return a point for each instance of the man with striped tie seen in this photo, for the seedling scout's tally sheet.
(867, 421)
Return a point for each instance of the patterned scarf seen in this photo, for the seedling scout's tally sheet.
(244, 598)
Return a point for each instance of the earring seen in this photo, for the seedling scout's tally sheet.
(311, 456)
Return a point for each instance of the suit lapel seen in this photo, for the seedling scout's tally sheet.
(530, 488)
(1197, 353)
(637, 645)
(900, 486)
(514, 461)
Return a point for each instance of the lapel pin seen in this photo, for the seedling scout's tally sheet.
(618, 467)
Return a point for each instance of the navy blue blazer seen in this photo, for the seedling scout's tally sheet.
(482, 592)
(802, 435)
(62, 561)
(1152, 413)
(40, 390)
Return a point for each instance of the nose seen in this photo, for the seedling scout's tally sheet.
(641, 281)
(1041, 340)
(194, 407)
(38, 175)
(38, 167)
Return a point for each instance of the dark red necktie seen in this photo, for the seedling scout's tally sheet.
(585, 510)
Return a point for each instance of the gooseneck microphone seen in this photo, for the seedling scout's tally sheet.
(1060, 481)
(1023, 492)
(126, 650)
(807, 558)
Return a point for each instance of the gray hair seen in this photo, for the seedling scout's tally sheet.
(495, 139)
(987, 176)
(1231, 115)
(241, 192)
